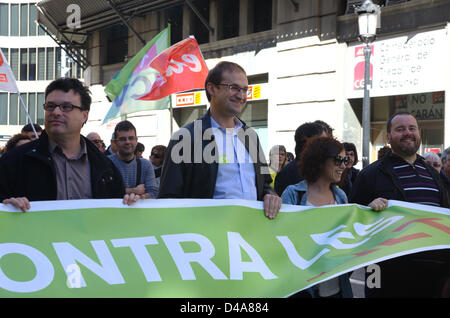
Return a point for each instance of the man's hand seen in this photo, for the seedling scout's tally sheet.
(378, 204)
(20, 203)
(130, 199)
(140, 189)
(272, 205)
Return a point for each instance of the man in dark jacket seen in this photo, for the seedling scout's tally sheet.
(61, 164)
(403, 175)
(218, 156)
(289, 174)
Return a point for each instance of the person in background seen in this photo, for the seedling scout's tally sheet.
(351, 172)
(322, 163)
(96, 140)
(28, 129)
(137, 173)
(277, 160)
(140, 148)
(289, 156)
(445, 170)
(383, 152)
(111, 148)
(290, 174)
(16, 140)
(157, 160)
(433, 160)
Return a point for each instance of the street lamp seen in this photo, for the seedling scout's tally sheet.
(368, 15)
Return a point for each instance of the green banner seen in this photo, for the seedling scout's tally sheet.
(200, 248)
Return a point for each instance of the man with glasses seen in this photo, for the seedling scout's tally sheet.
(157, 159)
(403, 175)
(96, 140)
(137, 173)
(218, 156)
(61, 163)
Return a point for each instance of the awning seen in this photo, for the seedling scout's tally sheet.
(94, 15)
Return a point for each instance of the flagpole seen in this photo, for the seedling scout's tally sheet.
(28, 115)
(171, 115)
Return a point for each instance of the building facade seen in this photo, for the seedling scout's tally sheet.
(302, 57)
(35, 60)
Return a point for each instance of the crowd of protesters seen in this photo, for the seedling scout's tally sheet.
(322, 172)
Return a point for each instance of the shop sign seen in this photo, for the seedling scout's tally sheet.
(425, 106)
(401, 65)
(198, 98)
(190, 99)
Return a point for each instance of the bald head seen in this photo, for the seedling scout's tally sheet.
(96, 140)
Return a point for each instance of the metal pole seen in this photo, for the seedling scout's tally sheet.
(366, 107)
(28, 115)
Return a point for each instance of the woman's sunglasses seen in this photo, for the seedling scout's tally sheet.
(338, 160)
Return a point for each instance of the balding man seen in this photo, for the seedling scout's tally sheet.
(96, 140)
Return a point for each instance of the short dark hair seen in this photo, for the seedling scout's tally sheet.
(215, 74)
(28, 128)
(389, 122)
(304, 132)
(160, 148)
(139, 148)
(66, 84)
(349, 146)
(124, 125)
(313, 158)
(327, 127)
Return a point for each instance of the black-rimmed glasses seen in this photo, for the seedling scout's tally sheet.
(235, 88)
(65, 107)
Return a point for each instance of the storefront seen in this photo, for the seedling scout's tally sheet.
(407, 74)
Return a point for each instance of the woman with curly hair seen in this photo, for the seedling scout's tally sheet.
(15, 141)
(322, 163)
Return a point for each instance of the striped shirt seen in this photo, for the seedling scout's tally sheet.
(417, 183)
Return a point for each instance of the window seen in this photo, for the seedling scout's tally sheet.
(199, 30)
(22, 114)
(33, 17)
(50, 64)
(32, 65)
(40, 108)
(24, 19)
(14, 62)
(262, 13)
(117, 44)
(4, 19)
(14, 20)
(32, 106)
(174, 16)
(41, 64)
(13, 112)
(230, 11)
(3, 108)
(58, 63)
(5, 53)
(23, 64)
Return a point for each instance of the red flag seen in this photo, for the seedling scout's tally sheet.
(181, 67)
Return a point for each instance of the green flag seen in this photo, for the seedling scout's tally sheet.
(200, 248)
(134, 79)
